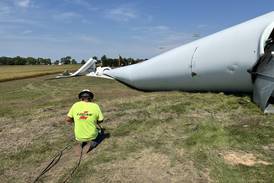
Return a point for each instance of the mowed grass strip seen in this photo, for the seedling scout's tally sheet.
(8, 73)
(154, 137)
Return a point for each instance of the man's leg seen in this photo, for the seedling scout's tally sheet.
(93, 144)
(83, 144)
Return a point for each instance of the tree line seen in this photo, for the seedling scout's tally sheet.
(24, 61)
(116, 62)
(104, 61)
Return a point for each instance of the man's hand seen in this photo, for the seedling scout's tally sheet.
(98, 122)
(69, 120)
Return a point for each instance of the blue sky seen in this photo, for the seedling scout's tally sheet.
(138, 29)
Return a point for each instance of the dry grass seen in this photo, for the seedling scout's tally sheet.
(149, 166)
(8, 73)
(154, 137)
(243, 158)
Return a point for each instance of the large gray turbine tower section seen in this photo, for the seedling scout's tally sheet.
(237, 59)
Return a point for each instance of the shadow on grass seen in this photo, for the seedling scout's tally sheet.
(95, 143)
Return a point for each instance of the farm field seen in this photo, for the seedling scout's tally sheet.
(14, 72)
(154, 137)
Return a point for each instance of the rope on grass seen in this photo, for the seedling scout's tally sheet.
(56, 159)
(75, 168)
(53, 162)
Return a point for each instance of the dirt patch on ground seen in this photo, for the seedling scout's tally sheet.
(149, 166)
(243, 158)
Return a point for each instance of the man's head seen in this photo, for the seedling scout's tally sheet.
(85, 95)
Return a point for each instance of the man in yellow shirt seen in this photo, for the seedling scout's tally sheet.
(86, 116)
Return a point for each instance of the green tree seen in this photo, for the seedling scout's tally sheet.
(66, 60)
(19, 61)
(10, 61)
(73, 61)
(3, 60)
(30, 60)
(56, 62)
(104, 61)
(48, 61)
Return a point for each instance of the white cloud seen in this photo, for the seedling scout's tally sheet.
(89, 39)
(160, 37)
(66, 16)
(152, 29)
(149, 18)
(121, 14)
(27, 32)
(83, 3)
(23, 3)
(19, 21)
(201, 26)
(4, 10)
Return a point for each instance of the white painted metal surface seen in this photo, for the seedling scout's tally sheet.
(218, 62)
(89, 69)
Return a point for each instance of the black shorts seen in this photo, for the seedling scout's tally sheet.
(95, 142)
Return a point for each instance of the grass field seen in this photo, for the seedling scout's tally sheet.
(154, 137)
(14, 72)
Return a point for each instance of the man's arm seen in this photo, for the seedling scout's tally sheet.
(69, 118)
(100, 118)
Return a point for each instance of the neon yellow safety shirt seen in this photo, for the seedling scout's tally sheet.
(85, 115)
